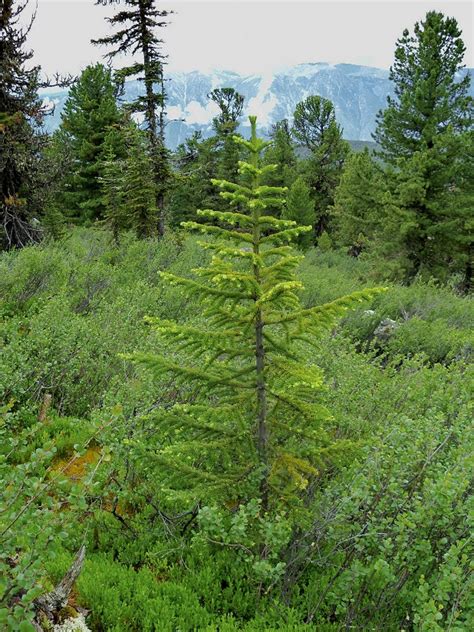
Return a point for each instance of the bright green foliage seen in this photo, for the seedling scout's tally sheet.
(315, 127)
(397, 509)
(359, 204)
(32, 524)
(300, 208)
(424, 136)
(89, 112)
(263, 437)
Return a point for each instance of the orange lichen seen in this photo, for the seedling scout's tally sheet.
(76, 469)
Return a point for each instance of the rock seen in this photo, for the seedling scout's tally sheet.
(74, 624)
(385, 329)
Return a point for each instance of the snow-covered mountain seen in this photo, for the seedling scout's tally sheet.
(358, 93)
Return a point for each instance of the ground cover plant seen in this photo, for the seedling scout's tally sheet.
(387, 522)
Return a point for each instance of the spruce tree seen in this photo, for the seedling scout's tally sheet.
(250, 431)
(136, 34)
(20, 142)
(90, 110)
(423, 133)
(315, 127)
(300, 208)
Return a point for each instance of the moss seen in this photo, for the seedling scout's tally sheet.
(76, 469)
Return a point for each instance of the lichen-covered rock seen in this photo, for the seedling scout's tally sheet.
(385, 329)
(74, 624)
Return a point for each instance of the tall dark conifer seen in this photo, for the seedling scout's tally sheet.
(315, 127)
(136, 34)
(424, 134)
(90, 111)
(20, 115)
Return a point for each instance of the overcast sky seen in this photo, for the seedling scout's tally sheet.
(246, 36)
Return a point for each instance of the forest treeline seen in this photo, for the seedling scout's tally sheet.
(232, 431)
(406, 206)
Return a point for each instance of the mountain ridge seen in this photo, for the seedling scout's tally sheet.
(357, 92)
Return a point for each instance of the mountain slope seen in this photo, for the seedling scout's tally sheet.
(358, 93)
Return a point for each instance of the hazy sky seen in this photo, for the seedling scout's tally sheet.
(246, 36)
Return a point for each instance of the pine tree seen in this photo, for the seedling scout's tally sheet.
(359, 203)
(136, 26)
(429, 96)
(300, 209)
(251, 429)
(20, 143)
(89, 112)
(315, 127)
(422, 133)
(139, 206)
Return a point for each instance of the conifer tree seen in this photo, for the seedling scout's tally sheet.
(139, 199)
(113, 191)
(281, 152)
(196, 164)
(429, 94)
(315, 127)
(90, 110)
(423, 133)
(300, 208)
(231, 105)
(251, 430)
(20, 143)
(137, 24)
(359, 203)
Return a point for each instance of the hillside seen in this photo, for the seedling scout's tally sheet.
(399, 402)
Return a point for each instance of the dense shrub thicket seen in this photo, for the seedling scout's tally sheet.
(384, 543)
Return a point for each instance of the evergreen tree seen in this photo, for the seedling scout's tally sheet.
(429, 95)
(300, 208)
(359, 203)
(139, 207)
(113, 188)
(136, 26)
(423, 133)
(315, 127)
(251, 433)
(281, 152)
(231, 105)
(89, 112)
(196, 164)
(20, 142)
